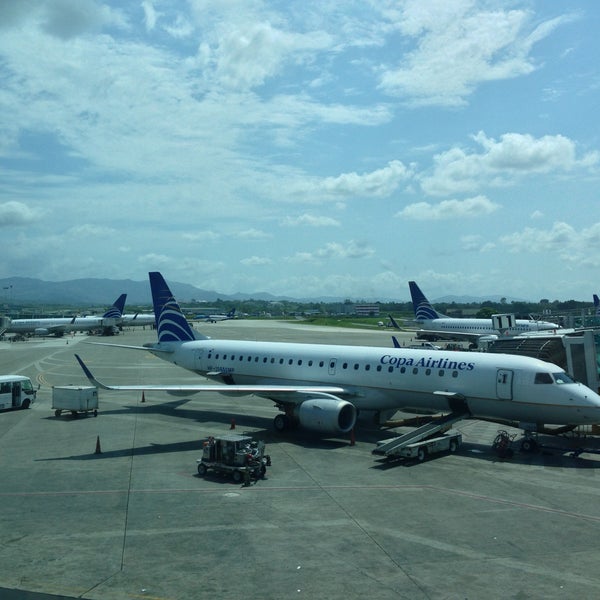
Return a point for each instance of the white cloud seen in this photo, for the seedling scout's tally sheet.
(256, 261)
(310, 221)
(334, 250)
(150, 14)
(500, 162)
(378, 184)
(449, 209)
(252, 234)
(201, 236)
(88, 230)
(457, 47)
(476, 243)
(16, 213)
(562, 240)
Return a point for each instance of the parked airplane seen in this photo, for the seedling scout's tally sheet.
(215, 318)
(137, 319)
(322, 387)
(60, 325)
(435, 325)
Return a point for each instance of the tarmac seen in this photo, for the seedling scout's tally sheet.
(112, 508)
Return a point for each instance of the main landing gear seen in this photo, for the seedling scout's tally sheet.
(285, 421)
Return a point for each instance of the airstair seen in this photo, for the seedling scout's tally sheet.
(393, 446)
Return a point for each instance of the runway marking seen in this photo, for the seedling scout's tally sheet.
(325, 488)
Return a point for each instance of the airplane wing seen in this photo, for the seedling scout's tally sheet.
(318, 390)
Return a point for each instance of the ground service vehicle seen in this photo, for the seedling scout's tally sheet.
(16, 391)
(75, 399)
(423, 441)
(236, 455)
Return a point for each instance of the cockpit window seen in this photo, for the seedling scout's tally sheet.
(543, 378)
(562, 378)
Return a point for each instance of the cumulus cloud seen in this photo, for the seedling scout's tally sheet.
(458, 46)
(378, 184)
(514, 155)
(16, 213)
(561, 239)
(248, 55)
(449, 209)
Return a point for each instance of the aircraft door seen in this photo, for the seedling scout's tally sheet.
(504, 380)
(332, 365)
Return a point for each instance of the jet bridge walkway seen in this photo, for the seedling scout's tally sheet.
(394, 446)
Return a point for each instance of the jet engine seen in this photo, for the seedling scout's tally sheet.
(41, 331)
(326, 415)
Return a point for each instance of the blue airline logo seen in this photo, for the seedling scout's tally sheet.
(431, 363)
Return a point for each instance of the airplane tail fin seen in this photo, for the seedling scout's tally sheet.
(171, 324)
(116, 310)
(231, 313)
(422, 307)
(597, 304)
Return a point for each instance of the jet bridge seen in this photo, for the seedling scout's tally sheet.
(577, 352)
(394, 446)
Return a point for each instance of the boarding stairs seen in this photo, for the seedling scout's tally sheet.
(391, 446)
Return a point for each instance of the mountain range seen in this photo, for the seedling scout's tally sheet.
(102, 292)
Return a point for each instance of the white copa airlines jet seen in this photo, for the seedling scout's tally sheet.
(215, 318)
(435, 325)
(323, 386)
(60, 325)
(137, 319)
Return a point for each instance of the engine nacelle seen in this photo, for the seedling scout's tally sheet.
(41, 331)
(326, 415)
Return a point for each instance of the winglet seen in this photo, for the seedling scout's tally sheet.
(597, 304)
(89, 375)
(394, 322)
(396, 342)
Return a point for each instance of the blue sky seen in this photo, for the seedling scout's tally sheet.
(304, 148)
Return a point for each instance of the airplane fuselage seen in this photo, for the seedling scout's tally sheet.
(493, 386)
(484, 326)
(58, 326)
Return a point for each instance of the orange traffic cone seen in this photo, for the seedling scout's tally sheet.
(352, 440)
(98, 450)
(232, 424)
(143, 397)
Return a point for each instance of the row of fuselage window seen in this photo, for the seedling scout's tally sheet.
(321, 364)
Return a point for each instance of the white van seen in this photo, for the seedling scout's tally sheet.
(16, 391)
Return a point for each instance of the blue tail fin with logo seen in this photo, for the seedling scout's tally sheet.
(116, 310)
(422, 307)
(171, 324)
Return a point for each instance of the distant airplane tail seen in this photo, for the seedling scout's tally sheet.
(231, 314)
(422, 307)
(597, 304)
(171, 324)
(116, 310)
